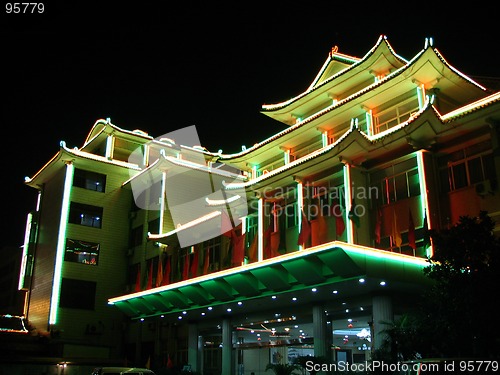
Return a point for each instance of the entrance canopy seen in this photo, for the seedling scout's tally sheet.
(335, 263)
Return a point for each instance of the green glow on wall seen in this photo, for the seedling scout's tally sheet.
(61, 240)
(24, 258)
(260, 228)
(300, 206)
(347, 203)
(424, 202)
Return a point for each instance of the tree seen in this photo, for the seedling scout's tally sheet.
(453, 316)
(304, 361)
(459, 307)
(283, 368)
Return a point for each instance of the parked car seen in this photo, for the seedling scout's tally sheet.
(122, 371)
(13, 324)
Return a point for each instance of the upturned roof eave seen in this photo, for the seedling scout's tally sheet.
(66, 155)
(267, 109)
(236, 157)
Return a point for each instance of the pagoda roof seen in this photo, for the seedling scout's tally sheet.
(166, 162)
(424, 128)
(338, 73)
(428, 68)
(66, 155)
(105, 127)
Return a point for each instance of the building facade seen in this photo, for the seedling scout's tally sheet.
(156, 249)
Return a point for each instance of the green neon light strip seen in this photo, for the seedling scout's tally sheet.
(348, 202)
(24, 259)
(260, 227)
(56, 286)
(300, 206)
(109, 146)
(364, 251)
(424, 201)
(162, 200)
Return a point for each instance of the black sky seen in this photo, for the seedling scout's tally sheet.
(163, 67)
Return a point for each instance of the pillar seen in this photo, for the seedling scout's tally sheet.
(260, 229)
(495, 146)
(138, 343)
(320, 332)
(201, 349)
(382, 312)
(300, 205)
(227, 347)
(193, 346)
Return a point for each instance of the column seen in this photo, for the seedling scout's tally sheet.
(138, 341)
(382, 312)
(227, 347)
(193, 346)
(109, 147)
(348, 201)
(201, 348)
(495, 147)
(163, 198)
(61, 243)
(320, 332)
(300, 205)
(260, 229)
(420, 94)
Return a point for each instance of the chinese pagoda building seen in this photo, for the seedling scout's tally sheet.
(320, 230)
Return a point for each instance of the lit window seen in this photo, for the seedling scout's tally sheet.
(81, 252)
(85, 214)
(467, 167)
(89, 180)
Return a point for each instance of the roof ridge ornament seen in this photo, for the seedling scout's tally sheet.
(429, 42)
(334, 50)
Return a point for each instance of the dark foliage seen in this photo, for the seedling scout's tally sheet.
(455, 317)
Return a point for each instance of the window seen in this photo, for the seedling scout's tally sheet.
(77, 294)
(213, 246)
(395, 115)
(397, 182)
(467, 167)
(85, 214)
(306, 148)
(136, 235)
(89, 180)
(325, 199)
(81, 252)
(154, 226)
(291, 215)
(252, 228)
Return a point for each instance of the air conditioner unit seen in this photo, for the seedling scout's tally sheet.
(484, 188)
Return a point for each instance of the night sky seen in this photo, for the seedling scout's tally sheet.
(160, 68)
